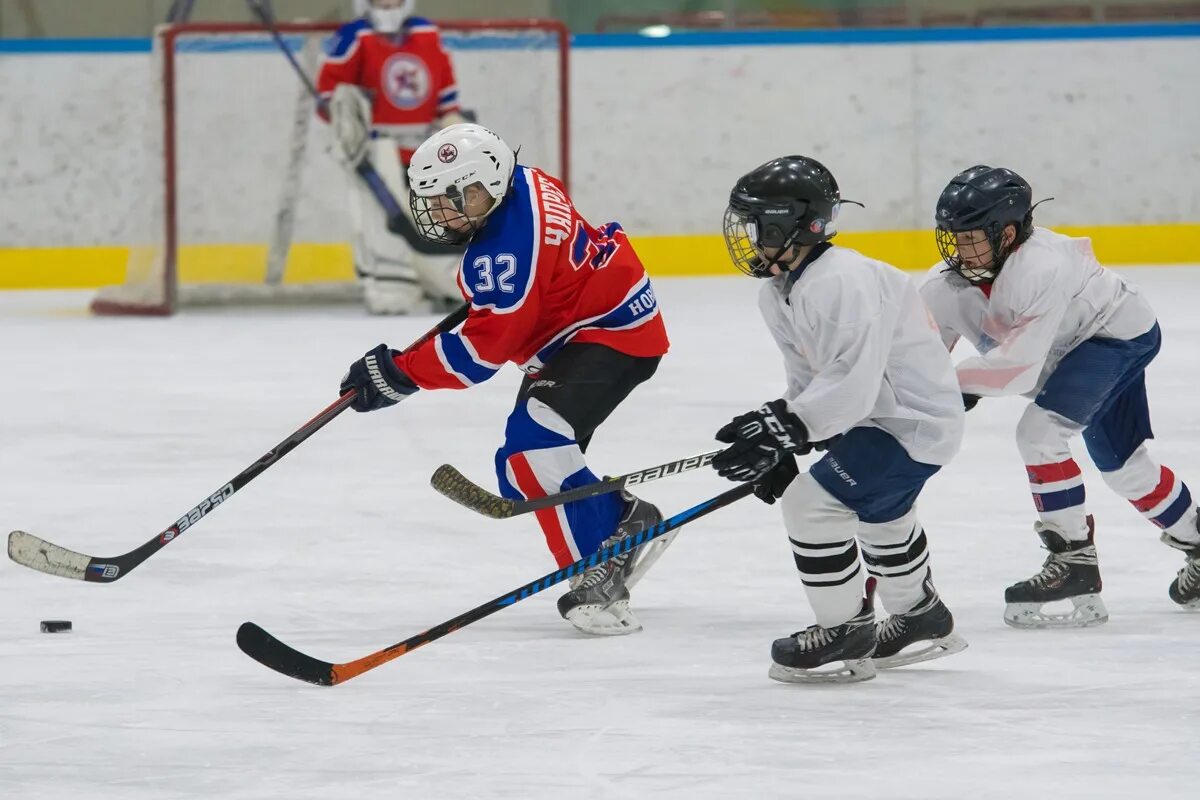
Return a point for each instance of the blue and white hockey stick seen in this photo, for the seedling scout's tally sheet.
(270, 652)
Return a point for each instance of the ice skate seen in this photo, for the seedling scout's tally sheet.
(1185, 589)
(930, 625)
(799, 658)
(1070, 572)
(598, 602)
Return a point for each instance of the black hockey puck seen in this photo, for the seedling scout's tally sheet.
(56, 625)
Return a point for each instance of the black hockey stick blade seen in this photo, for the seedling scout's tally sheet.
(270, 652)
(38, 554)
(448, 481)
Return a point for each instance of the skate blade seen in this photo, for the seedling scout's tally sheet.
(597, 620)
(947, 645)
(1088, 610)
(851, 671)
(1191, 605)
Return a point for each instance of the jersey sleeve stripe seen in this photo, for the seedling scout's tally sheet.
(445, 362)
(638, 307)
(460, 361)
(342, 46)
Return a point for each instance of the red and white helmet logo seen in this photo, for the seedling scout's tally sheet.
(447, 153)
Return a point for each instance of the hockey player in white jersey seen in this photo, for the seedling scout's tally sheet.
(868, 379)
(1052, 324)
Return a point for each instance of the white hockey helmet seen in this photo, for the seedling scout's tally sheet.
(385, 20)
(447, 163)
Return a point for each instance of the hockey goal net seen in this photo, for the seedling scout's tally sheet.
(243, 202)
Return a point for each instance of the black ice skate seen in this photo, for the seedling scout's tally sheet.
(598, 602)
(1185, 589)
(930, 624)
(798, 658)
(1070, 572)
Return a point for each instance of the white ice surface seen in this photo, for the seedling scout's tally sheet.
(111, 428)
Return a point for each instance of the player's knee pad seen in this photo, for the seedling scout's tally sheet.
(813, 515)
(438, 275)
(384, 295)
(539, 450)
(1042, 435)
(1138, 476)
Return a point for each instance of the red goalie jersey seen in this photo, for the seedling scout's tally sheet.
(408, 77)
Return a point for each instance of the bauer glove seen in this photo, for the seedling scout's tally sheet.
(377, 381)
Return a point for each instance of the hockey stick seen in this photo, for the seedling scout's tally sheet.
(397, 221)
(270, 652)
(450, 482)
(37, 553)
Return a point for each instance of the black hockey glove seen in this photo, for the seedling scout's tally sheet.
(379, 383)
(969, 400)
(770, 487)
(758, 441)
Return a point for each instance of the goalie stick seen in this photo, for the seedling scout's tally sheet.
(270, 652)
(37, 553)
(451, 483)
(397, 221)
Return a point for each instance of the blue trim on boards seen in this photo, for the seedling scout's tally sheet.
(874, 36)
(888, 36)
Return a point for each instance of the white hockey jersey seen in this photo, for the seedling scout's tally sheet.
(1051, 295)
(860, 349)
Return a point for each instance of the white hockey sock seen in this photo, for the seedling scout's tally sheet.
(1155, 492)
(821, 531)
(897, 554)
(1055, 480)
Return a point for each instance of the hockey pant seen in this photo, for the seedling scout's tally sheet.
(557, 411)
(860, 495)
(1099, 388)
(396, 279)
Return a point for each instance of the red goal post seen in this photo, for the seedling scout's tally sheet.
(241, 201)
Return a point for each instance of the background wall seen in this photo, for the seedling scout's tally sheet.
(659, 134)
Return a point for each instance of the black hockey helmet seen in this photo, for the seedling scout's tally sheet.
(786, 202)
(986, 199)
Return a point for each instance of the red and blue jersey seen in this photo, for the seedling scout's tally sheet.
(408, 76)
(537, 277)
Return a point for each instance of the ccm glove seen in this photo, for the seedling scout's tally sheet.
(758, 441)
(770, 487)
(377, 381)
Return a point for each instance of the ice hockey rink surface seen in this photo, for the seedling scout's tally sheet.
(111, 428)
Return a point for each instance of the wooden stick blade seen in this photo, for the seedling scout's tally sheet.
(451, 483)
(38, 554)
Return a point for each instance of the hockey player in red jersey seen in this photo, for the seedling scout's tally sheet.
(387, 82)
(567, 302)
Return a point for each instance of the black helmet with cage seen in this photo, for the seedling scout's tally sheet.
(785, 203)
(986, 199)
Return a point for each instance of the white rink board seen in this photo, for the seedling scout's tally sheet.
(659, 134)
(109, 428)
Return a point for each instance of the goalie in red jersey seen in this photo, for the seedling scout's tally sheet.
(571, 305)
(388, 82)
